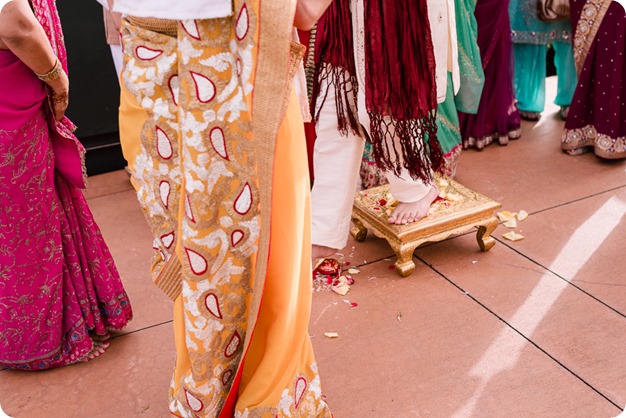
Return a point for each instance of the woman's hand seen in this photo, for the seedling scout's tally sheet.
(59, 95)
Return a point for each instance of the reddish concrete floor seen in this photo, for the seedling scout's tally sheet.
(534, 328)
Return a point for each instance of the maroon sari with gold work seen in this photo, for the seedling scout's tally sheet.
(597, 116)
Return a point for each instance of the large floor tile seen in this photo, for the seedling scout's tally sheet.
(572, 327)
(584, 243)
(130, 380)
(127, 234)
(108, 183)
(419, 347)
(532, 176)
(532, 173)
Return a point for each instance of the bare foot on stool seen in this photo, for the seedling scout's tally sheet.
(406, 213)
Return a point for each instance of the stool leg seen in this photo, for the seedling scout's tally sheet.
(485, 240)
(404, 264)
(358, 231)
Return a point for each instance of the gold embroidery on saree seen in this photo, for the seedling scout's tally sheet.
(576, 141)
(197, 153)
(204, 181)
(590, 20)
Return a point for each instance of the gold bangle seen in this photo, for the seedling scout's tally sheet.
(51, 75)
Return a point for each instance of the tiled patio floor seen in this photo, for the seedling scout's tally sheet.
(535, 328)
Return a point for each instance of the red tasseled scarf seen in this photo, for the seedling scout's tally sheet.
(400, 89)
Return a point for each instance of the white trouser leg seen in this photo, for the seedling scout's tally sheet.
(405, 189)
(336, 162)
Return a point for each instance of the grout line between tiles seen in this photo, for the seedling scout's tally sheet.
(580, 199)
(390, 256)
(569, 282)
(142, 329)
(519, 333)
(109, 194)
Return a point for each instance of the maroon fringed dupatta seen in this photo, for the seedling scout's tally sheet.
(400, 89)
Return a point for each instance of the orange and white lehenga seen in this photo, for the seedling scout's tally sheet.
(214, 139)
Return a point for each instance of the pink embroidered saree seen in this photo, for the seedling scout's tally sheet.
(58, 282)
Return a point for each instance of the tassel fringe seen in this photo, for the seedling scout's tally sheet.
(419, 148)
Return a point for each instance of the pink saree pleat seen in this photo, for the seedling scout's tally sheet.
(100, 293)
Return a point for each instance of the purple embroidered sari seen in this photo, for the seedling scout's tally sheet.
(497, 117)
(58, 282)
(597, 116)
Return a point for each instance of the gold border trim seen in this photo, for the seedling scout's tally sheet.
(271, 81)
(169, 279)
(587, 28)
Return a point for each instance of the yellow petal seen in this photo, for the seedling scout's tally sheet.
(331, 334)
(353, 271)
(505, 215)
(341, 289)
(511, 223)
(513, 236)
(522, 215)
(342, 279)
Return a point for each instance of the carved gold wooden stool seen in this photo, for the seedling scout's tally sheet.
(457, 210)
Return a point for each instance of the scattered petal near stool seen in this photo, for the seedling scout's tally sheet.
(341, 288)
(522, 215)
(331, 335)
(346, 280)
(505, 215)
(513, 236)
(511, 223)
